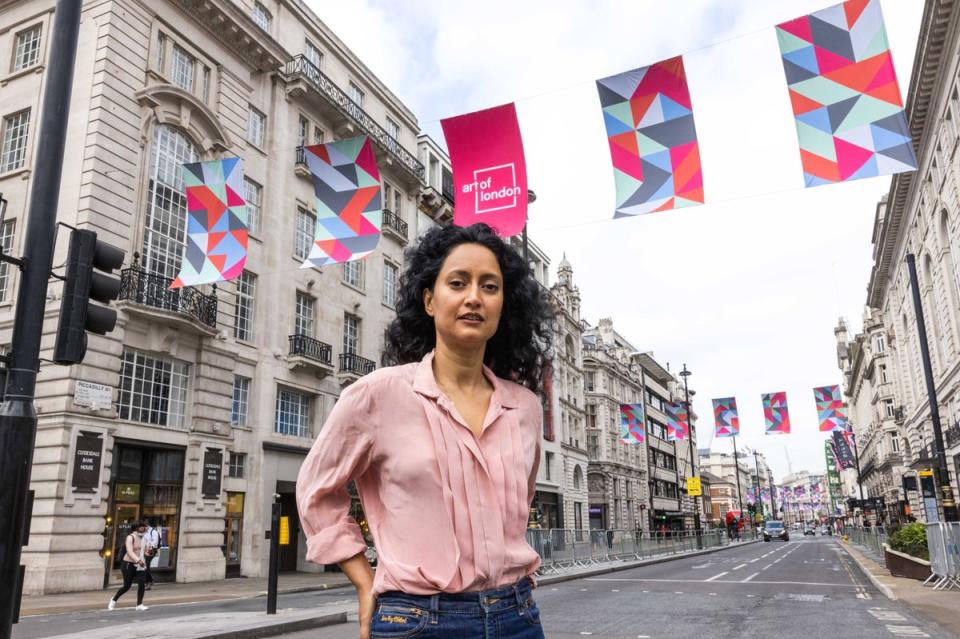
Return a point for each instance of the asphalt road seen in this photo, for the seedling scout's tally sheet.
(806, 588)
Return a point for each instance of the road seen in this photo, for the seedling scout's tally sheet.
(805, 588)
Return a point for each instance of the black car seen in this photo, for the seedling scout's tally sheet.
(775, 530)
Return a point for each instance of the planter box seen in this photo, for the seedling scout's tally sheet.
(903, 565)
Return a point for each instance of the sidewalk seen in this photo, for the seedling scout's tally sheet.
(170, 593)
(939, 606)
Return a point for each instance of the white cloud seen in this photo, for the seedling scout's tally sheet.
(745, 290)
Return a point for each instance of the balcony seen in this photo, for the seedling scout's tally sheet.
(151, 293)
(394, 225)
(311, 353)
(357, 120)
(353, 367)
(300, 164)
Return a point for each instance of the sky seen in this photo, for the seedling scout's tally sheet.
(746, 289)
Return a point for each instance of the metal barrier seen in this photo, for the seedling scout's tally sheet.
(872, 538)
(943, 543)
(562, 550)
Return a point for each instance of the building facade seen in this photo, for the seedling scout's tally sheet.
(730, 489)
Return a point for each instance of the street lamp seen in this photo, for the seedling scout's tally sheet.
(759, 500)
(693, 468)
(531, 198)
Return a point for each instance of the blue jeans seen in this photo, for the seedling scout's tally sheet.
(502, 613)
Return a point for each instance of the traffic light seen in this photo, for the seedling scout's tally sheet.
(83, 283)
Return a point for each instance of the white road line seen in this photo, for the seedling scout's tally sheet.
(718, 581)
(767, 567)
(754, 560)
(739, 567)
(717, 576)
(750, 577)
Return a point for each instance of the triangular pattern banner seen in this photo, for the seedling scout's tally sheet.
(215, 246)
(632, 423)
(725, 416)
(653, 141)
(346, 183)
(830, 408)
(775, 413)
(678, 424)
(844, 93)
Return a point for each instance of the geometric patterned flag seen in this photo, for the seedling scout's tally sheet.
(725, 417)
(652, 138)
(844, 92)
(678, 427)
(800, 491)
(632, 419)
(216, 237)
(346, 184)
(830, 408)
(775, 413)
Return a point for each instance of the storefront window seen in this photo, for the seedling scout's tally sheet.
(233, 529)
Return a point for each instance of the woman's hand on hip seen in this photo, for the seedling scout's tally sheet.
(367, 601)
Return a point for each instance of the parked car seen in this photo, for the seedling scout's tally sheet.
(775, 530)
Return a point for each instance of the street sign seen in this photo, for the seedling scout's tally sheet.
(693, 487)
(96, 396)
(284, 531)
(925, 473)
(87, 453)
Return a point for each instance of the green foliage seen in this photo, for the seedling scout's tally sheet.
(911, 539)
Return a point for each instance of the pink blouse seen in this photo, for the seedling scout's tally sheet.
(448, 510)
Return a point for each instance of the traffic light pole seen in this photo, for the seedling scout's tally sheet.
(18, 419)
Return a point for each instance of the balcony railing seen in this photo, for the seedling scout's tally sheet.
(301, 156)
(300, 66)
(149, 289)
(353, 363)
(310, 348)
(446, 188)
(393, 221)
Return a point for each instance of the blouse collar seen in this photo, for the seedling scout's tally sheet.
(425, 383)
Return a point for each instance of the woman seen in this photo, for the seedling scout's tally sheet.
(444, 449)
(133, 565)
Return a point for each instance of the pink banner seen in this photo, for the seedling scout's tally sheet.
(489, 171)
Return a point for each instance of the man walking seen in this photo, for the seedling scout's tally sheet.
(152, 547)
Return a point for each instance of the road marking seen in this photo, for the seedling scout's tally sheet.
(750, 577)
(643, 636)
(755, 560)
(584, 632)
(739, 567)
(717, 576)
(906, 631)
(883, 614)
(614, 590)
(713, 594)
(718, 581)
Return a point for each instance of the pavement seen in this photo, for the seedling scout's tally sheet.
(940, 606)
(227, 608)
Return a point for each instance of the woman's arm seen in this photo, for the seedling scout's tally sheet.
(358, 571)
(128, 546)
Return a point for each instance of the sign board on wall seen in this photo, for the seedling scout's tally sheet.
(212, 473)
(95, 396)
(87, 457)
(693, 487)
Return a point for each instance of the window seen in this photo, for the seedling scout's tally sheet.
(303, 240)
(6, 242)
(303, 131)
(313, 54)
(389, 284)
(163, 238)
(161, 50)
(393, 129)
(205, 84)
(13, 154)
(591, 415)
(356, 95)
(262, 17)
(153, 390)
(894, 442)
(398, 203)
(317, 135)
(243, 311)
(27, 52)
(293, 413)
(880, 343)
(353, 273)
(889, 409)
(236, 465)
(253, 193)
(548, 465)
(883, 373)
(387, 194)
(241, 399)
(182, 68)
(256, 127)
(654, 400)
(589, 380)
(303, 320)
(351, 334)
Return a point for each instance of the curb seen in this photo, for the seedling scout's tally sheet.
(882, 587)
(300, 589)
(282, 628)
(554, 579)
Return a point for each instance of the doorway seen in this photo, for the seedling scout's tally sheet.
(289, 553)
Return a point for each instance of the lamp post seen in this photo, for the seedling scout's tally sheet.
(736, 466)
(531, 198)
(693, 468)
(756, 460)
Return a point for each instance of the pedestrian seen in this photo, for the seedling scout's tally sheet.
(152, 539)
(133, 566)
(443, 447)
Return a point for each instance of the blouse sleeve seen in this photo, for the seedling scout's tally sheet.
(341, 452)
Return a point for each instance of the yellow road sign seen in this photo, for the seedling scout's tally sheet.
(926, 473)
(693, 487)
(284, 531)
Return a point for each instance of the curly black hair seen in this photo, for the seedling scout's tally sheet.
(520, 348)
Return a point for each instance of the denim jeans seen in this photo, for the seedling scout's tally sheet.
(502, 613)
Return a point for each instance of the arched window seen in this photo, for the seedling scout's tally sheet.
(577, 477)
(262, 17)
(163, 235)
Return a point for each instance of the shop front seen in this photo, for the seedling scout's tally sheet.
(146, 483)
(549, 509)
